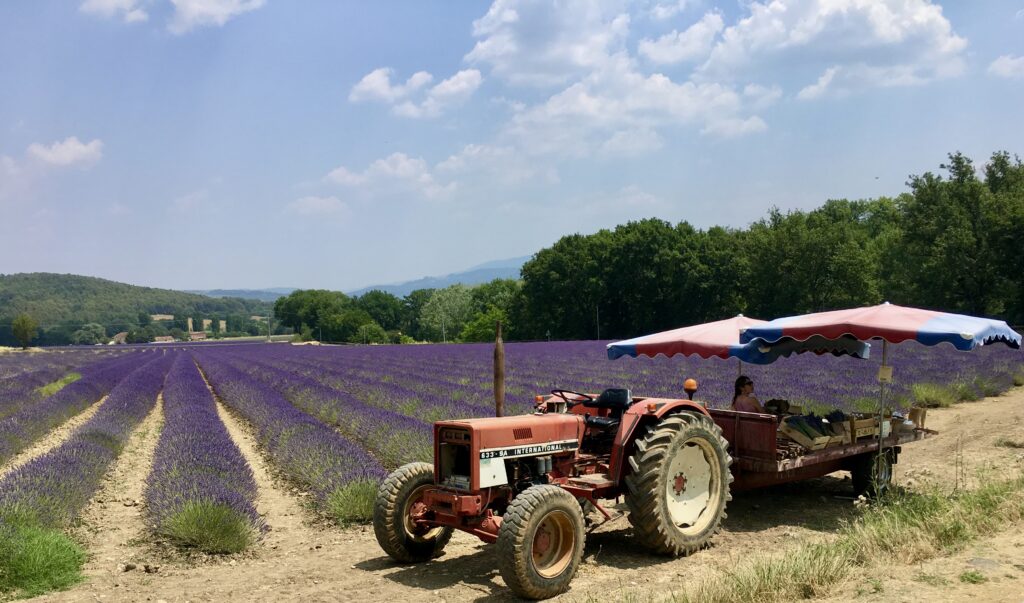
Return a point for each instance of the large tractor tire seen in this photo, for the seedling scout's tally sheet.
(540, 543)
(679, 484)
(872, 474)
(397, 500)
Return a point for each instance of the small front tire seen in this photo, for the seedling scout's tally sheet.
(540, 543)
(397, 500)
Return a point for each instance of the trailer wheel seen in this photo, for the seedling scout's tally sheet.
(872, 474)
(540, 542)
(398, 498)
(679, 486)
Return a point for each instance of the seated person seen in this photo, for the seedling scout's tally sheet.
(743, 399)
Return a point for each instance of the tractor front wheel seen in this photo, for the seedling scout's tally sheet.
(679, 486)
(399, 501)
(540, 542)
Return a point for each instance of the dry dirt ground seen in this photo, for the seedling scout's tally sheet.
(303, 558)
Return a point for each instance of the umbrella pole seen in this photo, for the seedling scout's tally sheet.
(883, 378)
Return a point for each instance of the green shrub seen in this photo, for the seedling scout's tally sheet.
(973, 577)
(210, 527)
(931, 395)
(353, 502)
(35, 560)
(966, 392)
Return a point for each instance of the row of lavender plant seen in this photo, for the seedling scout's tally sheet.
(340, 474)
(30, 422)
(200, 491)
(52, 489)
(390, 436)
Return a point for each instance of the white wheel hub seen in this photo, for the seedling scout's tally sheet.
(688, 485)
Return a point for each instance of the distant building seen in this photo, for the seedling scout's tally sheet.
(222, 326)
(161, 317)
(189, 327)
(206, 323)
(120, 338)
(196, 335)
(163, 339)
(258, 318)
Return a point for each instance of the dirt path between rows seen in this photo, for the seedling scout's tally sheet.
(51, 440)
(113, 526)
(304, 559)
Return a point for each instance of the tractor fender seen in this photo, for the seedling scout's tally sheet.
(645, 412)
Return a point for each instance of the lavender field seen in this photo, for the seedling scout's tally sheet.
(334, 420)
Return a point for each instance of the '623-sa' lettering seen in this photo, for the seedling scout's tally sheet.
(504, 453)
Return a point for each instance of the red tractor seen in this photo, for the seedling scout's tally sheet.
(525, 481)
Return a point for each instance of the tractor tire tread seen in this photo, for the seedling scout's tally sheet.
(389, 528)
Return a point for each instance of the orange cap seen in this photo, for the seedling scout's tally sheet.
(690, 385)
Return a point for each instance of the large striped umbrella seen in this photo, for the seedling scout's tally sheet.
(722, 339)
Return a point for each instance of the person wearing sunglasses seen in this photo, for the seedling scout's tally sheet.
(744, 399)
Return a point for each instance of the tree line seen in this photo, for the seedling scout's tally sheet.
(953, 241)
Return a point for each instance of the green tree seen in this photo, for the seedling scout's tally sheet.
(412, 308)
(370, 332)
(447, 311)
(343, 326)
(89, 334)
(25, 329)
(145, 319)
(483, 326)
(385, 308)
(310, 307)
(948, 245)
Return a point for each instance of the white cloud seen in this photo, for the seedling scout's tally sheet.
(129, 10)
(189, 14)
(735, 127)
(877, 43)
(760, 97)
(501, 164)
(451, 92)
(666, 10)
(318, 206)
(396, 173)
(632, 142)
(535, 43)
(70, 151)
(693, 43)
(1007, 66)
(377, 86)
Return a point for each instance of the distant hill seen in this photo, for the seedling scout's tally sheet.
(476, 275)
(267, 295)
(61, 303)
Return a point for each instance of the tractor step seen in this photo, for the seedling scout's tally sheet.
(592, 480)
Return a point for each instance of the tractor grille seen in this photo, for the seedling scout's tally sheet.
(522, 433)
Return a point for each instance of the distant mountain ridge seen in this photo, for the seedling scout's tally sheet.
(482, 273)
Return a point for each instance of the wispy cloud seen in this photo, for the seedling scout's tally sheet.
(397, 172)
(190, 14)
(131, 11)
(405, 98)
(67, 152)
(1007, 66)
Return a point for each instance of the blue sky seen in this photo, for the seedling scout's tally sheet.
(251, 143)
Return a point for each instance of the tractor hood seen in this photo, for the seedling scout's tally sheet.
(522, 430)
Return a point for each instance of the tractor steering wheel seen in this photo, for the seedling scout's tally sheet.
(577, 397)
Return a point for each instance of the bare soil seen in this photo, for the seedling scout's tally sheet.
(51, 440)
(304, 558)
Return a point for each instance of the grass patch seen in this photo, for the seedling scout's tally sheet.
(1018, 378)
(931, 395)
(1004, 442)
(35, 560)
(353, 502)
(903, 528)
(210, 527)
(973, 577)
(51, 388)
(966, 391)
(931, 579)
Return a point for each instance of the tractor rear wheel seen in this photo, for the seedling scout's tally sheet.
(679, 486)
(540, 542)
(399, 499)
(872, 474)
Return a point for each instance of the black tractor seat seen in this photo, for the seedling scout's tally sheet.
(615, 399)
(602, 422)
